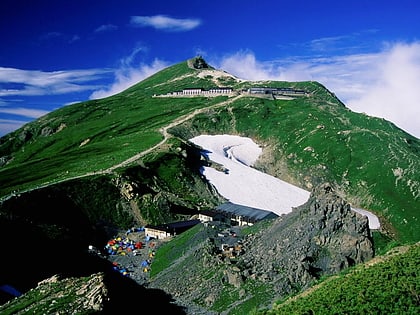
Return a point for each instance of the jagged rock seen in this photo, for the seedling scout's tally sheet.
(321, 237)
(25, 135)
(200, 63)
(85, 295)
(233, 277)
(3, 160)
(47, 131)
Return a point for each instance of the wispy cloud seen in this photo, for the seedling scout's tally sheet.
(59, 37)
(166, 23)
(381, 84)
(106, 28)
(130, 72)
(128, 75)
(17, 85)
(34, 82)
(9, 125)
(361, 41)
(321, 44)
(9, 114)
(74, 38)
(24, 112)
(51, 35)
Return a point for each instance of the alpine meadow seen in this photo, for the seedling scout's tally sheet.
(92, 171)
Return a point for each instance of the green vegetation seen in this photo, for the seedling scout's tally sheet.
(389, 287)
(374, 163)
(258, 294)
(177, 248)
(309, 140)
(383, 243)
(88, 143)
(54, 301)
(257, 227)
(317, 138)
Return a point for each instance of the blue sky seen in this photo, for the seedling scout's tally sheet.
(54, 53)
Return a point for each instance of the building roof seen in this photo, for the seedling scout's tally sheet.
(174, 226)
(209, 213)
(253, 214)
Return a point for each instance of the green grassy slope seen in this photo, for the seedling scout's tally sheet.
(92, 136)
(374, 163)
(307, 140)
(388, 287)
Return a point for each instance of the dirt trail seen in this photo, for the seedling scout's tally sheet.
(163, 130)
(166, 135)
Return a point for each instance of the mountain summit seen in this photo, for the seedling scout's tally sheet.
(308, 136)
(79, 174)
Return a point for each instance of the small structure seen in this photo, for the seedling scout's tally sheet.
(210, 216)
(277, 91)
(244, 215)
(188, 92)
(169, 229)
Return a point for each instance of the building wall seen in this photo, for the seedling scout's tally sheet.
(159, 234)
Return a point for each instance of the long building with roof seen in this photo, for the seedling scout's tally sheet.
(237, 214)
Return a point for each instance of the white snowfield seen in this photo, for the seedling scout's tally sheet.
(244, 185)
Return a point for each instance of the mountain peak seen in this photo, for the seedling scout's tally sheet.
(198, 63)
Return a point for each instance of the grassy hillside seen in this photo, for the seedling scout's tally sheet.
(311, 140)
(388, 287)
(123, 139)
(306, 141)
(91, 136)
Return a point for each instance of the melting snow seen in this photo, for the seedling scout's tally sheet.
(244, 185)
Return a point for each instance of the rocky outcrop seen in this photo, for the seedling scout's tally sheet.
(80, 296)
(199, 63)
(321, 237)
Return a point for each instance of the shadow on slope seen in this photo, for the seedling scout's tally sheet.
(44, 233)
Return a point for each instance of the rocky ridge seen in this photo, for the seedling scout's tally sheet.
(321, 237)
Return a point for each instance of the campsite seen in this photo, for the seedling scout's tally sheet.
(131, 253)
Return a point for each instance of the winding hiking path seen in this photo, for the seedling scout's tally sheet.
(166, 135)
(163, 130)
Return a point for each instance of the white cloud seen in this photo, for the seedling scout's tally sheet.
(383, 84)
(35, 82)
(394, 93)
(245, 66)
(127, 76)
(28, 83)
(25, 112)
(9, 125)
(74, 38)
(163, 22)
(106, 28)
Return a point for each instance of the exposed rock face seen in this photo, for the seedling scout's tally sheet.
(321, 237)
(80, 295)
(200, 63)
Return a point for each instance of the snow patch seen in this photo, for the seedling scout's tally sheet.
(373, 219)
(244, 185)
